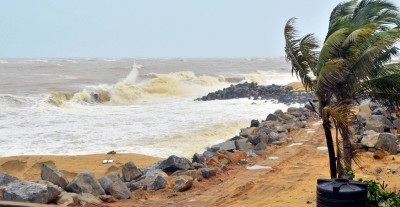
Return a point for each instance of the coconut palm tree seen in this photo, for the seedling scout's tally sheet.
(353, 64)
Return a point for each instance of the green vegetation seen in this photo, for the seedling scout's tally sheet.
(353, 64)
(378, 195)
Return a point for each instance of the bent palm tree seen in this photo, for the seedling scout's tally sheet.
(352, 65)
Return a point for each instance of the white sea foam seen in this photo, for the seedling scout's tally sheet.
(153, 115)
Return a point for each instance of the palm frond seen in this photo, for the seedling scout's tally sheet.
(331, 75)
(384, 89)
(332, 47)
(300, 53)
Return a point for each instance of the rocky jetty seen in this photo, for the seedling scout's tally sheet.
(283, 94)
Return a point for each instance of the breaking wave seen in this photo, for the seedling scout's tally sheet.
(151, 87)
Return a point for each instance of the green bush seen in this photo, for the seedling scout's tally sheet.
(378, 196)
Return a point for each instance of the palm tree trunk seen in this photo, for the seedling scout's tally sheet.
(331, 149)
(347, 153)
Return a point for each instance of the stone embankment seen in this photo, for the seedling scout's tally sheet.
(283, 94)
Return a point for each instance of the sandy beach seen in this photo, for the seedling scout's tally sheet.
(28, 167)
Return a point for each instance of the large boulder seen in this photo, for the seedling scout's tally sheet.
(174, 163)
(85, 182)
(113, 185)
(375, 126)
(369, 138)
(208, 172)
(260, 146)
(6, 179)
(272, 117)
(273, 137)
(30, 192)
(183, 183)
(130, 172)
(257, 139)
(224, 146)
(242, 145)
(198, 158)
(158, 182)
(387, 142)
(50, 174)
(254, 123)
(151, 167)
(119, 190)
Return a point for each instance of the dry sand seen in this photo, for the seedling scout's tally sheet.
(28, 167)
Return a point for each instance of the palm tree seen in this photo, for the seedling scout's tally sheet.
(353, 64)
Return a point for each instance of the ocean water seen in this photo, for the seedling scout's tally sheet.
(94, 105)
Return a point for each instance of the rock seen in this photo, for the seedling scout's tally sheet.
(29, 192)
(370, 140)
(387, 142)
(87, 199)
(50, 174)
(300, 124)
(174, 163)
(130, 172)
(257, 139)
(246, 132)
(85, 182)
(158, 182)
(371, 149)
(380, 111)
(195, 174)
(135, 185)
(271, 117)
(208, 172)
(225, 146)
(375, 126)
(278, 112)
(196, 165)
(67, 199)
(280, 129)
(379, 154)
(107, 180)
(273, 136)
(151, 167)
(254, 123)
(113, 185)
(251, 153)
(378, 170)
(242, 145)
(287, 116)
(396, 123)
(260, 146)
(119, 190)
(183, 183)
(198, 158)
(208, 154)
(5, 179)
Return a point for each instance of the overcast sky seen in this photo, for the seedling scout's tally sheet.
(154, 28)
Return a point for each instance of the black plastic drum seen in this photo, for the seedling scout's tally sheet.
(341, 193)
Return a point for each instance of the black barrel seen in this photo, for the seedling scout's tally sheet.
(341, 193)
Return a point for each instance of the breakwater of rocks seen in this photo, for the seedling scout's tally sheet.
(283, 94)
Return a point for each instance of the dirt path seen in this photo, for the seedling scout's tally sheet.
(296, 166)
